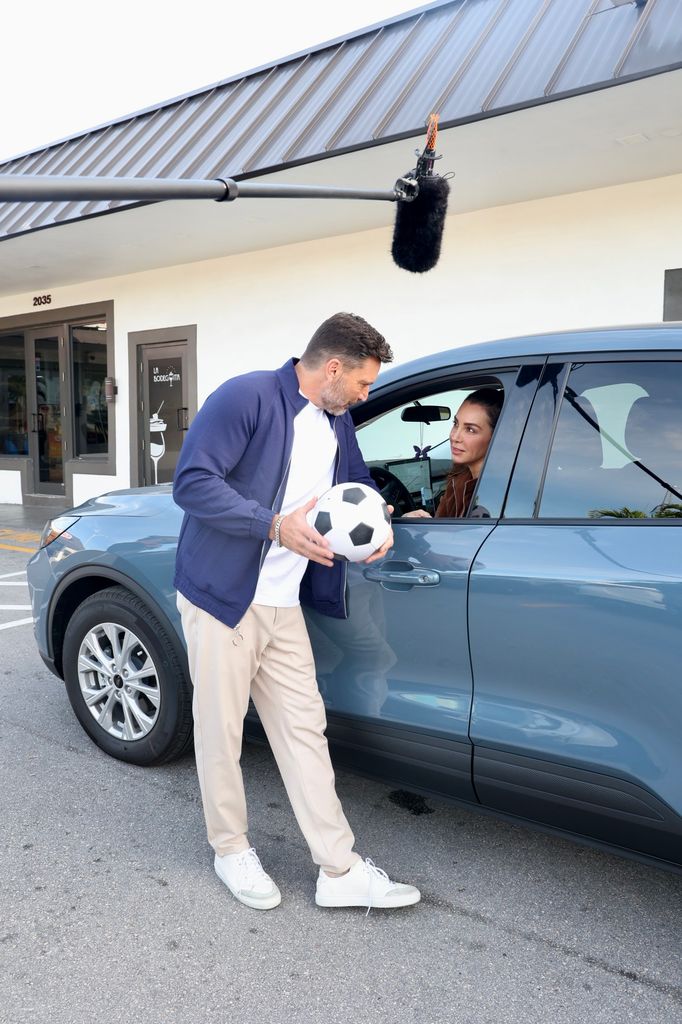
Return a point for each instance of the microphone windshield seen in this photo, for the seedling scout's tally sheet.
(419, 225)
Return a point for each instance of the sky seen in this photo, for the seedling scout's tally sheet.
(75, 64)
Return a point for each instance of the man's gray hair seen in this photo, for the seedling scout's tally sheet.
(347, 337)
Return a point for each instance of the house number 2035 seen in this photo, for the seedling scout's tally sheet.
(42, 300)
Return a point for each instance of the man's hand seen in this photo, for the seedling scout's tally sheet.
(382, 551)
(297, 535)
(388, 543)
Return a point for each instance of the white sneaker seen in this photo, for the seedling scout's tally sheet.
(365, 885)
(244, 876)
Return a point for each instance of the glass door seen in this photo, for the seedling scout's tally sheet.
(163, 409)
(45, 378)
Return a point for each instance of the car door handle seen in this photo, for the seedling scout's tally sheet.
(412, 576)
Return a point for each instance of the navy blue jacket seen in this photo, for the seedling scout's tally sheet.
(230, 481)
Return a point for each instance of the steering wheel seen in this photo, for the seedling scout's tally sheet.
(393, 491)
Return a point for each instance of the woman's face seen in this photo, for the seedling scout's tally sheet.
(470, 436)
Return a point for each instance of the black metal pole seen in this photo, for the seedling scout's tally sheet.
(23, 188)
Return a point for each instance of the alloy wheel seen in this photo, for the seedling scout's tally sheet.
(119, 681)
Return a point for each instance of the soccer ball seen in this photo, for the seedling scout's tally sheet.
(353, 518)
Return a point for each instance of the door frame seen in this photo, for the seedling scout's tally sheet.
(55, 318)
(57, 333)
(187, 335)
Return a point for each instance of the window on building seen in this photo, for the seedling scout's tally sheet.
(672, 295)
(13, 413)
(617, 451)
(89, 368)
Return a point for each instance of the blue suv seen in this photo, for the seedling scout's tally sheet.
(525, 658)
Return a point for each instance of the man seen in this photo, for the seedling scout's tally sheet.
(261, 450)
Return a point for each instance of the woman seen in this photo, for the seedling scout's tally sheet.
(471, 433)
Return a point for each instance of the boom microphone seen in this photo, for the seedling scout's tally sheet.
(421, 197)
(420, 221)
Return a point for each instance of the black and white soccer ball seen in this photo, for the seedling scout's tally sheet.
(354, 519)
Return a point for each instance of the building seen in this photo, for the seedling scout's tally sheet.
(561, 119)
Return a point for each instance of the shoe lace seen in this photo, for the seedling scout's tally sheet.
(373, 873)
(252, 867)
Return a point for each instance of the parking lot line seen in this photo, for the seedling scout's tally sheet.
(26, 535)
(15, 607)
(17, 622)
(6, 576)
(17, 540)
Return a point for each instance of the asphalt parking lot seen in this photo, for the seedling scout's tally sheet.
(110, 910)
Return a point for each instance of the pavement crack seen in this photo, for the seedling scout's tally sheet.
(673, 992)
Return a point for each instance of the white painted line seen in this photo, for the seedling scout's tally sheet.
(15, 607)
(13, 583)
(17, 622)
(6, 575)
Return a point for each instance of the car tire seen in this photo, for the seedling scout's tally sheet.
(125, 680)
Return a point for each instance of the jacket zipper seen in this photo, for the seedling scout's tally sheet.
(277, 494)
(344, 565)
(267, 541)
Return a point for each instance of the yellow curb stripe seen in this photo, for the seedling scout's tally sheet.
(15, 547)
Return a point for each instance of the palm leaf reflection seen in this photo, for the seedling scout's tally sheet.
(667, 511)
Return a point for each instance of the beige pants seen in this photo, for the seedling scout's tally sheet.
(269, 658)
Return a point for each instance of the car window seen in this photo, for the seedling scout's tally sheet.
(413, 453)
(617, 449)
(492, 486)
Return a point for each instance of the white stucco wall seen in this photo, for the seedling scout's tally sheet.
(10, 486)
(588, 259)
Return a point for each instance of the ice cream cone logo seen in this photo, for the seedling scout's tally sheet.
(157, 444)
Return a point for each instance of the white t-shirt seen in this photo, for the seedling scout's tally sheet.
(311, 473)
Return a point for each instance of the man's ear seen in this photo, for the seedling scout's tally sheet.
(333, 367)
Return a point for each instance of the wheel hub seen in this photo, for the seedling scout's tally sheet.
(119, 681)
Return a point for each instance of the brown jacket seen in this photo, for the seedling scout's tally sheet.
(457, 495)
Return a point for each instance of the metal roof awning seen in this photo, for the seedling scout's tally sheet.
(467, 59)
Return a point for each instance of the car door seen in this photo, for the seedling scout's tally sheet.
(575, 610)
(396, 675)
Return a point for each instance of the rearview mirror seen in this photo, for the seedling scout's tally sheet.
(425, 413)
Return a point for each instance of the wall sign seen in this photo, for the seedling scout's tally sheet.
(42, 300)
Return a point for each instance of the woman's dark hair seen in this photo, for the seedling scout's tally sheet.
(490, 399)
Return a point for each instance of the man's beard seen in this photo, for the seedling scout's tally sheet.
(334, 399)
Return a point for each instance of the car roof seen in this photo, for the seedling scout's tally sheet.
(651, 337)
